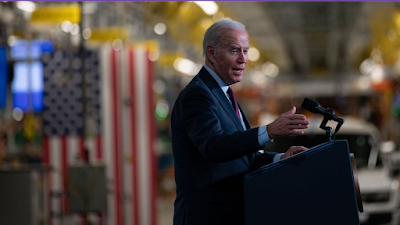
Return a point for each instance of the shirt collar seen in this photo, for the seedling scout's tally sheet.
(221, 83)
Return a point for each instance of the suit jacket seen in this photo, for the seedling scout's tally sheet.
(212, 152)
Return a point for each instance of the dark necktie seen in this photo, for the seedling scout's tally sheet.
(234, 101)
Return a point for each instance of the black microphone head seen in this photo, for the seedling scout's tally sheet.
(310, 105)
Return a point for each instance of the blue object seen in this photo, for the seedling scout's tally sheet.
(27, 85)
(22, 49)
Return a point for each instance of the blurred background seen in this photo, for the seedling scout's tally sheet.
(87, 88)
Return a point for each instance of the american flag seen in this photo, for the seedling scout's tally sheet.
(64, 143)
(120, 106)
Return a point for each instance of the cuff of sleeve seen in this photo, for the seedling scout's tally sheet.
(263, 137)
(277, 157)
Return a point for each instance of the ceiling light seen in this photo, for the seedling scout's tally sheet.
(17, 114)
(74, 29)
(117, 44)
(186, 66)
(209, 7)
(65, 26)
(26, 6)
(367, 66)
(254, 54)
(377, 73)
(160, 28)
(11, 40)
(270, 69)
(86, 33)
(154, 55)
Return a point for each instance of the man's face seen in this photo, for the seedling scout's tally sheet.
(230, 57)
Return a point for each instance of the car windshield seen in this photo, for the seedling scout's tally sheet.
(360, 145)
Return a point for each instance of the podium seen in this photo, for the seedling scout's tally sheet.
(314, 187)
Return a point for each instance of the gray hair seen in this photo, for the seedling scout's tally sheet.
(213, 33)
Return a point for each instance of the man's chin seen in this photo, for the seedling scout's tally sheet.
(238, 79)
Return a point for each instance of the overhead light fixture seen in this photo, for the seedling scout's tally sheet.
(11, 40)
(209, 7)
(270, 69)
(17, 114)
(160, 28)
(117, 44)
(186, 66)
(74, 29)
(367, 66)
(253, 54)
(26, 6)
(66, 26)
(86, 33)
(154, 55)
(378, 73)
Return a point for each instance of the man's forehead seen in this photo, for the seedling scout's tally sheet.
(234, 36)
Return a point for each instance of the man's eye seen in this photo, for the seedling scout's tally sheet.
(234, 51)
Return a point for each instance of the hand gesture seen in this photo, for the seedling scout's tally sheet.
(288, 124)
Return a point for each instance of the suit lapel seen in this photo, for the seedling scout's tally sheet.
(220, 95)
(227, 106)
(223, 100)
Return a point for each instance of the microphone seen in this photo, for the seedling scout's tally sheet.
(316, 108)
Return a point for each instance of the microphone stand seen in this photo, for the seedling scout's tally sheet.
(328, 130)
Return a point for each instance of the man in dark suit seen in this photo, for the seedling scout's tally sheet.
(212, 141)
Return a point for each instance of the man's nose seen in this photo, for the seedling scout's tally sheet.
(242, 57)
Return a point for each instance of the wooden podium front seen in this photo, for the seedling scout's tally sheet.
(315, 187)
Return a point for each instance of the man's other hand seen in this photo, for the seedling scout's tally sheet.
(292, 151)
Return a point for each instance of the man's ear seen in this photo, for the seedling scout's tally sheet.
(211, 54)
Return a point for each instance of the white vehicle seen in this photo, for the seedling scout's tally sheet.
(379, 187)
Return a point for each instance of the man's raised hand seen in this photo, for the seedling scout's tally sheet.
(288, 124)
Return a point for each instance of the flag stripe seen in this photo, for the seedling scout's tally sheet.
(99, 150)
(81, 149)
(116, 135)
(46, 160)
(143, 138)
(152, 134)
(133, 137)
(125, 135)
(107, 129)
